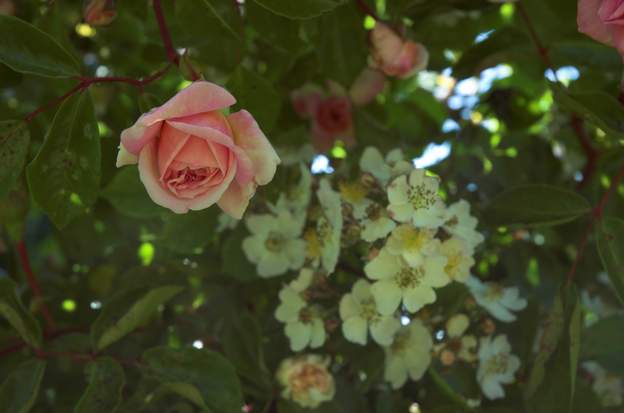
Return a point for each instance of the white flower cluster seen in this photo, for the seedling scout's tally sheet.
(415, 244)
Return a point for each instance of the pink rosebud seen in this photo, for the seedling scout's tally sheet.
(99, 12)
(394, 55)
(369, 83)
(7, 7)
(191, 156)
(306, 99)
(603, 20)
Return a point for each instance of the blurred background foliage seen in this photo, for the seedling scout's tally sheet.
(487, 115)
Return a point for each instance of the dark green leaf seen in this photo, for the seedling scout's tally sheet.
(188, 233)
(255, 94)
(20, 389)
(64, 177)
(204, 377)
(128, 195)
(536, 205)
(14, 140)
(610, 243)
(106, 380)
(235, 262)
(26, 49)
(13, 311)
(301, 9)
(127, 311)
(602, 342)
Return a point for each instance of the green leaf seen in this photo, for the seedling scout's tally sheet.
(610, 243)
(64, 177)
(255, 94)
(235, 262)
(602, 342)
(127, 194)
(301, 9)
(106, 380)
(536, 205)
(21, 387)
(204, 377)
(188, 233)
(599, 108)
(127, 311)
(553, 388)
(26, 49)
(13, 311)
(14, 140)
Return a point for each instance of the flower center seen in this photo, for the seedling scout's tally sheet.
(497, 364)
(421, 197)
(274, 242)
(494, 292)
(309, 377)
(409, 278)
(369, 310)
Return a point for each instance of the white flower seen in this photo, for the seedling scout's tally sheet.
(274, 244)
(304, 324)
(595, 308)
(225, 221)
(459, 259)
(496, 366)
(608, 387)
(329, 225)
(376, 224)
(384, 169)
(359, 313)
(416, 200)
(354, 194)
(412, 244)
(499, 301)
(459, 222)
(306, 380)
(409, 354)
(398, 281)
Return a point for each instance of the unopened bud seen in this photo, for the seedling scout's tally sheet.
(99, 12)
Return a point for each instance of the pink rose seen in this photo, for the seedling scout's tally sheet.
(192, 156)
(394, 55)
(7, 7)
(329, 113)
(603, 20)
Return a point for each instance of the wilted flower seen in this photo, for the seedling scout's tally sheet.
(409, 355)
(306, 380)
(304, 324)
(359, 313)
(497, 366)
(499, 301)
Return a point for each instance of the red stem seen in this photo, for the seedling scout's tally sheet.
(596, 215)
(591, 154)
(34, 284)
(172, 55)
(541, 49)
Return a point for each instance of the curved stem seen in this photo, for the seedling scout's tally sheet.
(172, 55)
(34, 284)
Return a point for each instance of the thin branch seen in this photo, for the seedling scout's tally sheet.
(541, 49)
(172, 55)
(366, 9)
(34, 284)
(84, 357)
(591, 154)
(595, 216)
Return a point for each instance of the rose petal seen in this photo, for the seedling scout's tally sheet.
(249, 137)
(386, 44)
(169, 145)
(590, 23)
(368, 84)
(125, 158)
(214, 194)
(235, 199)
(199, 97)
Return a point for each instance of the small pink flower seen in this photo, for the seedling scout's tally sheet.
(191, 156)
(603, 20)
(329, 113)
(99, 12)
(394, 55)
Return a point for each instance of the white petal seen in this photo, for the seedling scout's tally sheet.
(355, 330)
(387, 296)
(299, 335)
(383, 266)
(349, 307)
(384, 329)
(416, 298)
(317, 337)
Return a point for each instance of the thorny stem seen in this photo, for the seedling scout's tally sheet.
(34, 284)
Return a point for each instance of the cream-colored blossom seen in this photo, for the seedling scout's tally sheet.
(306, 380)
(329, 225)
(394, 164)
(459, 258)
(354, 194)
(499, 301)
(497, 366)
(608, 386)
(416, 200)
(459, 222)
(457, 345)
(304, 322)
(376, 223)
(413, 244)
(409, 355)
(359, 314)
(397, 281)
(274, 245)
